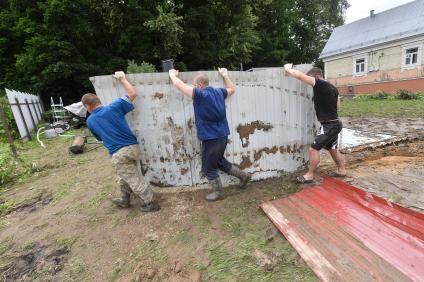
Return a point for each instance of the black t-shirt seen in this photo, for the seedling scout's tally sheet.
(325, 100)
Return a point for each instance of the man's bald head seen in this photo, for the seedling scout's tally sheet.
(90, 101)
(201, 81)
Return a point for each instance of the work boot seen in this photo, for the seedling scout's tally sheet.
(216, 193)
(150, 207)
(124, 200)
(243, 176)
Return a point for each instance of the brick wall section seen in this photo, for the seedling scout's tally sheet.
(380, 76)
(388, 81)
(414, 85)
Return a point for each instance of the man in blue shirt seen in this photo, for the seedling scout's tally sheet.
(108, 124)
(212, 128)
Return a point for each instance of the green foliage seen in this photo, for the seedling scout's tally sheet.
(400, 95)
(47, 116)
(133, 67)
(6, 207)
(10, 121)
(53, 47)
(166, 31)
(403, 94)
(12, 169)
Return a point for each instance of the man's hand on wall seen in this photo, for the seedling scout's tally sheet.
(223, 72)
(172, 73)
(119, 75)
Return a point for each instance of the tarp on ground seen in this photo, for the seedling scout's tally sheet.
(346, 234)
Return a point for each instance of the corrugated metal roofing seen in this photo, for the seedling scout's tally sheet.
(395, 24)
(271, 119)
(346, 234)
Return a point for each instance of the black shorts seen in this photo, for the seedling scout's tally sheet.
(328, 137)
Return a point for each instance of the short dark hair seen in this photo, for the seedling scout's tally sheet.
(90, 99)
(315, 71)
(201, 78)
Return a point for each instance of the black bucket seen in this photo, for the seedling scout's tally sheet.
(167, 65)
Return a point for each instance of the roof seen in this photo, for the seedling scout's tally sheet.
(346, 234)
(392, 25)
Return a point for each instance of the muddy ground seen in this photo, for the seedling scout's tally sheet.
(61, 226)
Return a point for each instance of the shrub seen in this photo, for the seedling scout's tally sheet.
(133, 67)
(381, 95)
(403, 94)
(12, 169)
(10, 120)
(48, 116)
(8, 168)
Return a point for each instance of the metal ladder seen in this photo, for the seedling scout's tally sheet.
(58, 112)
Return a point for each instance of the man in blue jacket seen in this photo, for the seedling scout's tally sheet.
(212, 128)
(108, 124)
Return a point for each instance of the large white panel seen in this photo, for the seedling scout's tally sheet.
(271, 121)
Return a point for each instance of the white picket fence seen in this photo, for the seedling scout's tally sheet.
(27, 110)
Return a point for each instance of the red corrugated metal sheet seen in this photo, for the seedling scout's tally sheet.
(346, 234)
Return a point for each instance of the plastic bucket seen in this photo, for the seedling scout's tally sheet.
(167, 65)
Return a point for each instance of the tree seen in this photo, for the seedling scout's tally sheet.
(52, 47)
(314, 23)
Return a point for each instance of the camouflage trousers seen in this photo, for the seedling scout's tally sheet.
(126, 162)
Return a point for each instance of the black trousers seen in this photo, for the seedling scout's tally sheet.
(213, 157)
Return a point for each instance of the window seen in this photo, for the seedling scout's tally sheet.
(360, 65)
(411, 56)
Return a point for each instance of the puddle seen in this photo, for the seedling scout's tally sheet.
(350, 138)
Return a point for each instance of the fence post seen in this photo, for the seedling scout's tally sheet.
(39, 110)
(37, 114)
(23, 119)
(30, 114)
(7, 132)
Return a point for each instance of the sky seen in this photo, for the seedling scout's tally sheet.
(361, 8)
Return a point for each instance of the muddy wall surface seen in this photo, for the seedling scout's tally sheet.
(271, 121)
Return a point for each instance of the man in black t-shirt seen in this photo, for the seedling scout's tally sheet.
(326, 102)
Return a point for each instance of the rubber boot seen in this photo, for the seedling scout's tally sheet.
(124, 200)
(243, 176)
(216, 193)
(150, 207)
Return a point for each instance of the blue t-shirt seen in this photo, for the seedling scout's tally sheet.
(108, 124)
(209, 111)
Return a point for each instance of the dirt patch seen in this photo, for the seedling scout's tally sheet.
(258, 154)
(246, 130)
(189, 239)
(245, 162)
(174, 272)
(392, 171)
(33, 204)
(409, 127)
(158, 95)
(34, 262)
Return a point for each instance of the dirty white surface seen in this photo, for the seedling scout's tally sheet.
(271, 119)
(350, 138)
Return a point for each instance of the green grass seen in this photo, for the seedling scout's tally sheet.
(63, 242)
(76, 270)
(382, 108)
(239, 264)
(99, 198)
(64, 190)
(6, 207)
